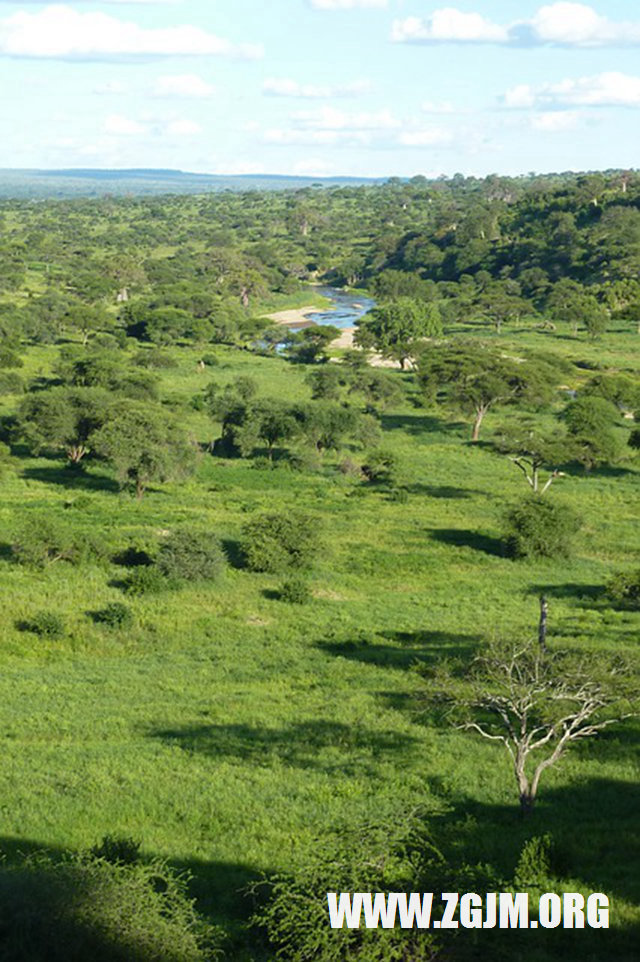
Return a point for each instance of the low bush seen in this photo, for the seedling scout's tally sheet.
(42, 540)
(11, 383)
(275, 542)
(535, 865)
(9, 358)
(82, 908)
(540, 528)
(191, 555)
(624, 589)
(381, 467)
(47, 624)
(145, 580)
(115, 615)
(296, 591)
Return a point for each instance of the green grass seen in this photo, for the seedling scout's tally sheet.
(229, 731)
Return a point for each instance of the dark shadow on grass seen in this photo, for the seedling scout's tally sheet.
(321, 745)
(73, 479)
(404, 648)
(570, 590)
(446, 491)
(463, 538)
(6, 551)
(234, 553)
(420, 424)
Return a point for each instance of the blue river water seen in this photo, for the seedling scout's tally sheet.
(347, 308)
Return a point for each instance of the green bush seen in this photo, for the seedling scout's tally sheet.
(535, 865)
(624, 589)
(47, 624)
(396, 857)
(115, 615)
(540, 528)
(191, 555)
(11, 383)
(276, 542)
(9, 358)
(296, 591)
(145, 580)
(83, 908)
(42, 540)
(381, 467)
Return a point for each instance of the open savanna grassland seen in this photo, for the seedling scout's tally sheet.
(231, 731)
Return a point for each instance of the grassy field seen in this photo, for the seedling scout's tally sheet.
(230, 731)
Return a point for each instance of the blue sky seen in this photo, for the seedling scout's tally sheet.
(321, 87)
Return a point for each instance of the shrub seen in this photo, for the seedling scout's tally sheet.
(115, 615)
(394, 858)
(191, 555)
(540, 528)
(399, 495)
(296, 591)
(145, 580)
(11, 383)
(624, 589)
(9, 358)
(47, 624)
(534, 868)
(117, 849)
(81, 907)
(275, 542)
(381, 467)
(42, 540)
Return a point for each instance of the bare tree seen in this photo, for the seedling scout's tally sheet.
(536, 704)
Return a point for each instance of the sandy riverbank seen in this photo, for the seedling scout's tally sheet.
(294, 317)
(299, 317)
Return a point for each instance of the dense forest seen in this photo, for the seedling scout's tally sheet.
(291, 609)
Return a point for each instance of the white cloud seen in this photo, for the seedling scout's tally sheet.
(555, 122)
(448, 24)
(121, 126)
(519, 97)
(611, 89)
(562, 24)
(432, 137)
(284, 87)
(183, 85)
(62, 33)
(348, 4)
(183, 128)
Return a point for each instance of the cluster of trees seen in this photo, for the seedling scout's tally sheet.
(564, 249)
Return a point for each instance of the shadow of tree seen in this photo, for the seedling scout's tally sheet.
(66, 478)
(463, 538)
(403, 648)
(319, 744)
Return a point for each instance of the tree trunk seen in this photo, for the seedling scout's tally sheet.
(480, 413)
(140, 489)
(527, 802)
(542, 626)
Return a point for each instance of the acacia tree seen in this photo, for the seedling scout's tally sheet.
(394, 328)
(476, 379)
(533, 453)
(144, 444)
(63, 418)
(536, 704)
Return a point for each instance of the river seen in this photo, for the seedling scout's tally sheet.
(347, 308)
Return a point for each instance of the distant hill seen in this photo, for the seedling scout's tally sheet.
(41, 184)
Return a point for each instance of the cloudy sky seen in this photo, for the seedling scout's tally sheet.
(321, 87)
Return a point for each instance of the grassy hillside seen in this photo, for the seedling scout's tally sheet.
(230, 731)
